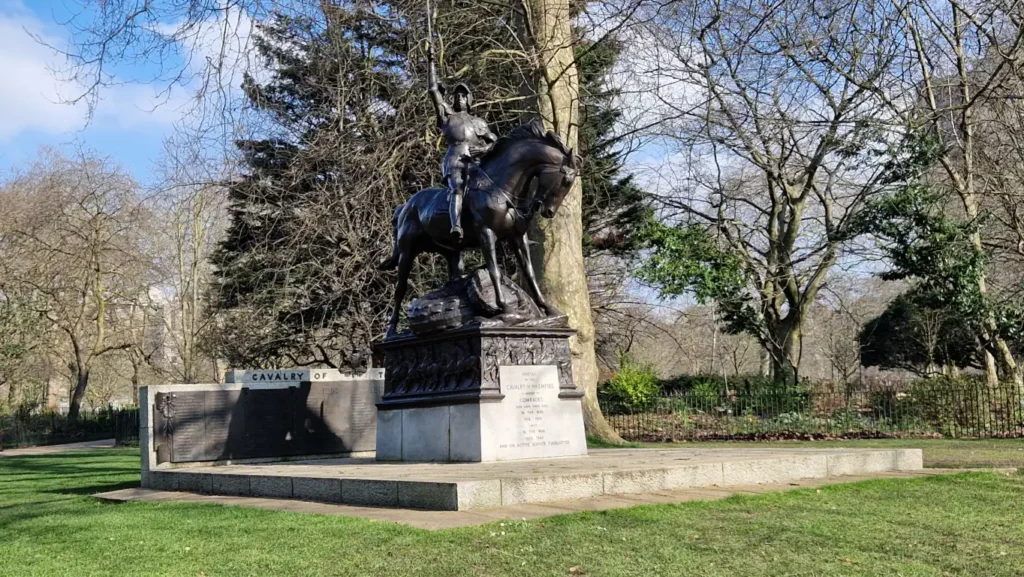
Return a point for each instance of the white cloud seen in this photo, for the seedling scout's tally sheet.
(29, 94)
(32, 98)
(217, 52)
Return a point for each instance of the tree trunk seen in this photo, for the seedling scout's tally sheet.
(785, 352)
(51, 393)
(991, 374)
(13, 399)
(135, 383)
(558, 251)
(75, 405)
(1008, 365)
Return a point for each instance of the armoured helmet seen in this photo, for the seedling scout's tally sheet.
(463, 88)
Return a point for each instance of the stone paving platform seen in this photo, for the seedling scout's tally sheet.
(471, 486)
(51, 449)
(435, 520)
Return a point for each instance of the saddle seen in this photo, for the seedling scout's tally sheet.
(476, 179)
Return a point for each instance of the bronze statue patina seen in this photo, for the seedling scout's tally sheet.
(467, 136)
(497, 206)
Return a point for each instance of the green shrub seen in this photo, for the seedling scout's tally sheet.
(950, 403)
(847, 419)
(634, 388)
(704, 395)
(794, 422)
(892, 404)
(686, 383)
(751, 394)
(764, 397)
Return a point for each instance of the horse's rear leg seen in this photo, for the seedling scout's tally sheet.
(392, 260)
(404, 265)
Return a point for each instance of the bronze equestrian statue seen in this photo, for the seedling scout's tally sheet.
(496, 207)
(467, 136)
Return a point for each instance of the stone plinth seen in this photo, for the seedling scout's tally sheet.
(480, 394)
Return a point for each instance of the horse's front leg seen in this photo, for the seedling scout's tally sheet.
(455, 269)
(488, 242)
(526, 265)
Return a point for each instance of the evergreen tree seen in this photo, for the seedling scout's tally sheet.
(918, 333)
(614, 207)
(296, 278)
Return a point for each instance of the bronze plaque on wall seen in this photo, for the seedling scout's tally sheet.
(311, 419)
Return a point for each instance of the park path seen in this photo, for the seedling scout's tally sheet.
(48, 449)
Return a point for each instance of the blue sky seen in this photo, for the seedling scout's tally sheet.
(130, 121)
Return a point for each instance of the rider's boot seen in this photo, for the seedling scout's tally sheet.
(455, 211)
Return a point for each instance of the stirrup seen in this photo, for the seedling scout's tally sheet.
(457, 232)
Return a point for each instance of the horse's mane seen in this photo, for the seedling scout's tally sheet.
(533, 130)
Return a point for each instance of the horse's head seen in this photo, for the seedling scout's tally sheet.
(553, 184)
(536, 152)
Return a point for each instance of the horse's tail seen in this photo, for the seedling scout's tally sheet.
(392, 262)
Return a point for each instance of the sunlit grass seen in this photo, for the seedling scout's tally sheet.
(970, 524)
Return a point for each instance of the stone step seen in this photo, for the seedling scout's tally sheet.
(469, 486)
(434, 520)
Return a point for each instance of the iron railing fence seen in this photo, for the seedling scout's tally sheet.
(126, 426)
(51, 428)
(930, 409)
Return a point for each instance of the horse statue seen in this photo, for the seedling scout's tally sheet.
(496, 207)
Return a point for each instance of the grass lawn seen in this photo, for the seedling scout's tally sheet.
(969, 524)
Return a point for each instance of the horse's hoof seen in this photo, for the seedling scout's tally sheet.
(551, 311)
(511, 319)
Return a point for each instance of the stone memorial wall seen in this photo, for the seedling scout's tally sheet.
(260, 415)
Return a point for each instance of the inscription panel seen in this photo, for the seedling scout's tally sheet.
(347, 415)
(531, 421)
(225, 425)
(188, 434)
(317, 436)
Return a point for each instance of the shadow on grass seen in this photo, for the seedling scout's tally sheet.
(98, 488)
(69, 463)
(67, 474)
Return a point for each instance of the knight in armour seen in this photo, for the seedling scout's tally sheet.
(468, 138)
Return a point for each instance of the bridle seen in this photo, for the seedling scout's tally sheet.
(538, 198)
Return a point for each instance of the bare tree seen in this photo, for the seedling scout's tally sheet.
(74, 244)
(776, 160)
(849, 302)
(954, 59)
(21, 334)
(193, 208)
